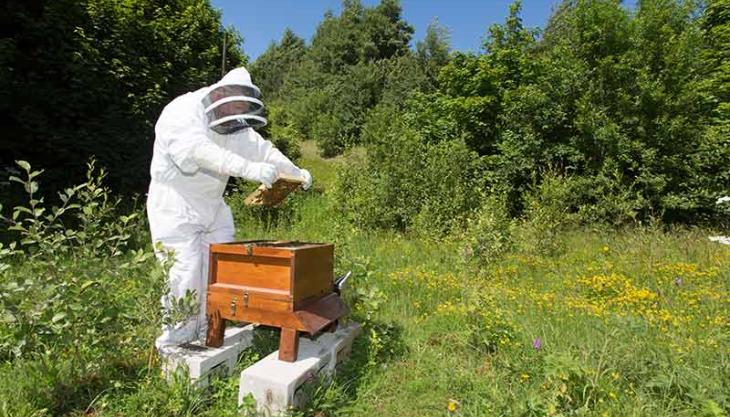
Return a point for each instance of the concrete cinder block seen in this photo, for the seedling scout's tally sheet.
(203, 362)
(277, 385)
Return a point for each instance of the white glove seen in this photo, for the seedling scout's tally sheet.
(307, 178)
(262, 172)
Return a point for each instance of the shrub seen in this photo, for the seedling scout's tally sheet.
(410, 185)
(547, 214)
(490, 232)
(281, 132)
(75, 279)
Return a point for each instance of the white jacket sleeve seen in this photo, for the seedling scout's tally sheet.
(271, 155)
(189, 147)
(212, 157)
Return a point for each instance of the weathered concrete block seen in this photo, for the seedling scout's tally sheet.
(203, 362)
(277, 385)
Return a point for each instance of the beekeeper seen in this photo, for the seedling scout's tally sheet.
(201, 139)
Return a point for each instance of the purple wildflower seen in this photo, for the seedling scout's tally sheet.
(537, 343)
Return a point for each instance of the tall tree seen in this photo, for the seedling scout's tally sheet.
(272, 67)
(433, 49)
(387, 34)
(90, 77)
(716, 26)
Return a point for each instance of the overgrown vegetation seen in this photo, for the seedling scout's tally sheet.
(628, 104)
(90, 77)
(527, 226)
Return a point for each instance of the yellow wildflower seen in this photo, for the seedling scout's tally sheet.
(452, 406)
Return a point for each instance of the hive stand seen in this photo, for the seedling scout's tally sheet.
(203, 362)
(319, 316)
(276, 385)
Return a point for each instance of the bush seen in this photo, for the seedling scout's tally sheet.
(489, 233)
(410, 185)
(79, 297)
(280, 131)
(547, 214)
(100, 75)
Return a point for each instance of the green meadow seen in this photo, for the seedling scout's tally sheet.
(628, 322)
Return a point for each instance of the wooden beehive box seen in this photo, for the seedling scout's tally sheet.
(276, 283)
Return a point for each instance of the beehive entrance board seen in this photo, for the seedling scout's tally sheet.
(284, 186)
(276, 283)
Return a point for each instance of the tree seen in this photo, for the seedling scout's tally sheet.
(433, 49)
(386, 33)
(90, 77)
(716, 26)
(273, 66)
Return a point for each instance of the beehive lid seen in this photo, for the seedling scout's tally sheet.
(264, 247)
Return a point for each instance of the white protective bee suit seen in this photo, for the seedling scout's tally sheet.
(200, 141)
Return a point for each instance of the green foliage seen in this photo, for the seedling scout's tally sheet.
(547, 214)
(278, 60)
(66, 289)
(357, 61)
(716, 27)
(602, 98)
(83, 78)
(409, 184)
(360, 34)
(433, 50)
(489, 233)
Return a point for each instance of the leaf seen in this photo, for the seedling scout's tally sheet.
(23, 164)
(711, 409)
(58, 317)
(36, 173)
(87, 284)
(16, 179)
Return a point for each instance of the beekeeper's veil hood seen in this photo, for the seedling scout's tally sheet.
(234, 103)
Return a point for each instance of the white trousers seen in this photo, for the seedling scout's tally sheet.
(189, 238)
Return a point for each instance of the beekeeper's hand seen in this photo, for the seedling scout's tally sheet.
(266, 174)
(307, 177)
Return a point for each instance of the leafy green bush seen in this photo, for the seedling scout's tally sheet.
(410, 185)
(98, 79)
(281, 132)
(547, 214)
(79, 295)
(489, 233)
(601, 97)
(70, 287)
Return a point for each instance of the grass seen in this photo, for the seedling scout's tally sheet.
(618, 323)
(630, 322)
